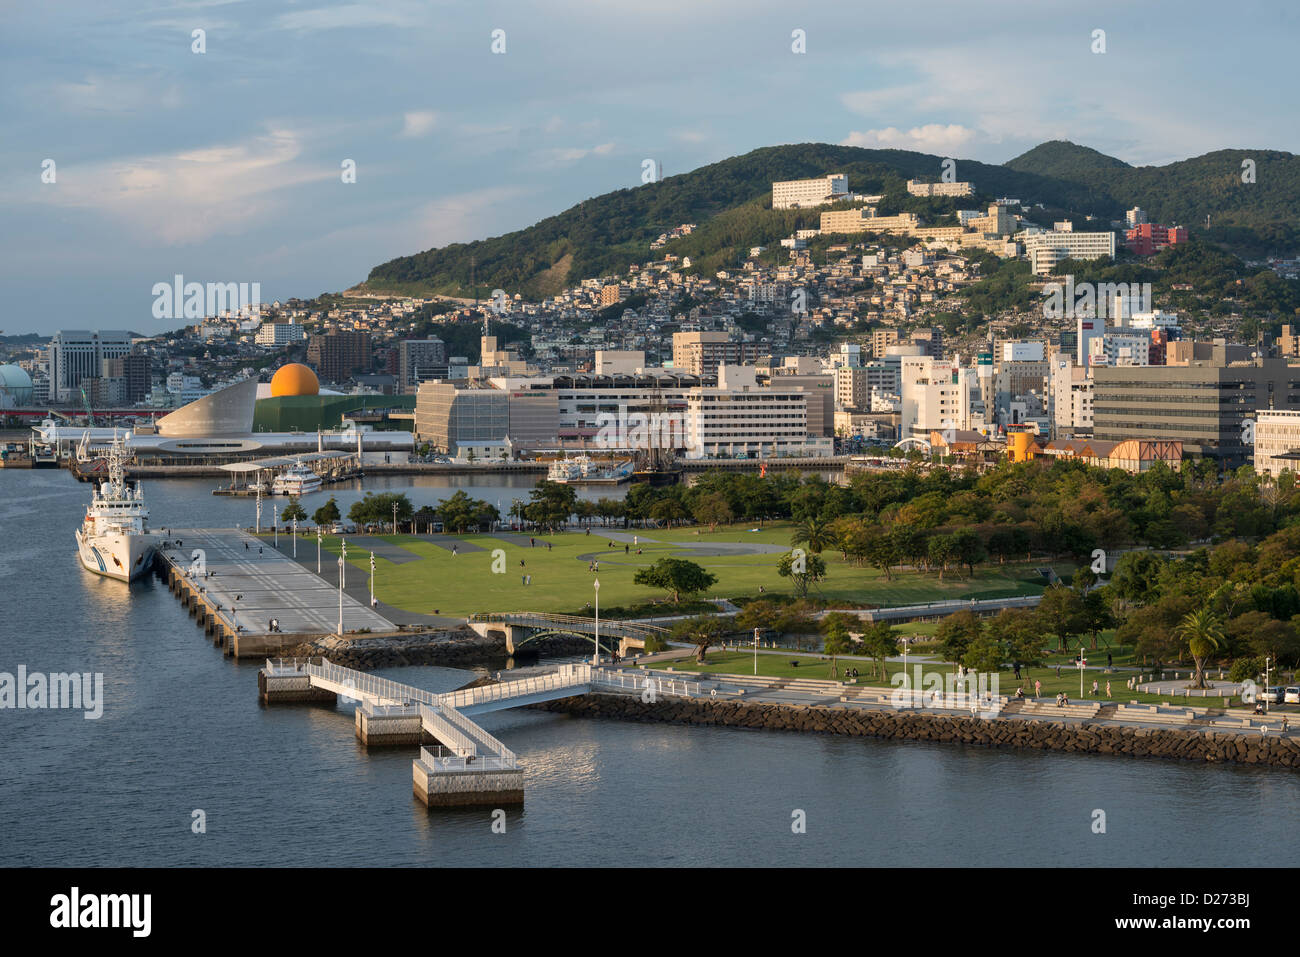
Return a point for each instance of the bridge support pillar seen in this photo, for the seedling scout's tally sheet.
(380, 726)
(467, 788)
(290, 689)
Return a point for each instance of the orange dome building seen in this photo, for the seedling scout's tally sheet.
(294, 379)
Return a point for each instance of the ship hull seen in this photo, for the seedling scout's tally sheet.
(121, 557)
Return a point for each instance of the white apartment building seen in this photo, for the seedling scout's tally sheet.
(1022, 350)
(740, 419)
(279, 333)
(935, 396)
(802, 193)
(1118, 348)
(916, 188)
(1046, 249)
(1277, 442)
(1069, 398)
(75, 354)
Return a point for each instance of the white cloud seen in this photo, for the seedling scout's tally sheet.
(190, 196)
(418, 123)
(574, 153)
(391, 13)
(931, 138)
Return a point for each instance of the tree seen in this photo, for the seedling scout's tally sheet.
(837, 643)
(712, 510)
(1061, 613)
(1202, 634)
(760, 614)
(796, 619)
(879, 642)
(676, 575)
(803, 570)
(701, 631)
(983, 655)
(328, 513)
(956, 633)
(293, 510)
(813, 532)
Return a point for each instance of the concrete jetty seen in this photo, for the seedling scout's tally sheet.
(460, 763)
(251, 599)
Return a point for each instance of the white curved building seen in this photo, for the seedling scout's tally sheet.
(228, 412)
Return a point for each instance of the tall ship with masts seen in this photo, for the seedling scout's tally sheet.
(114, 538)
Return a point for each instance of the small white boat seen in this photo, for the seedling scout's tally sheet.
(296, 480)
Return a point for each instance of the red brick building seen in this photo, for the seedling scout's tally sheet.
(1148, 238)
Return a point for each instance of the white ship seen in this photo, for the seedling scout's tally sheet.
(296, 480)
(114, 539)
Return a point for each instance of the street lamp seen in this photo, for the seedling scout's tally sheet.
(595, 660)
(755, 652)
(258, 490)
(1265, 695)
(343, 554)
(318, 541)
(372, 579)
(394, 518)
(295, 536)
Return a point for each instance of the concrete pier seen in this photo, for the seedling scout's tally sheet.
(463, 764)
(235, 585)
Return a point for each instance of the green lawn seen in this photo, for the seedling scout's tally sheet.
(466, 583)
(781, 666)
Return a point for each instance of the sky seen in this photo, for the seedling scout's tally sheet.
(227, 165)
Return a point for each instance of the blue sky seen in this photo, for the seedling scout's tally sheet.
(225, 166)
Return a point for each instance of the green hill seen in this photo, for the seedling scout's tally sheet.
(730, 203)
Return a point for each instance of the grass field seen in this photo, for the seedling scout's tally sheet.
(466, 583)
(781, 666)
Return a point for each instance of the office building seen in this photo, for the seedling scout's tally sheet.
(1046, 249)
(419, 360)
(339, 353)
(917, 188)
(76, 354)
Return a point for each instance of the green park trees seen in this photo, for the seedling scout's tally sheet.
(293, 511)
(328, 513)
(677, 576)
(701, 631)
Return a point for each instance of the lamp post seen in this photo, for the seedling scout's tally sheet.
(318, 541)
(595, 660)
(295, 536)
(372, 579)
(258, 527)
(343, 554)
(756, 651)
(1265, 695)
(394, 519)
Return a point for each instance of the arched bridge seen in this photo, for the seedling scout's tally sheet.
(522, 627)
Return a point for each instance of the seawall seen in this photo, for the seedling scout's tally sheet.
(1172, 743)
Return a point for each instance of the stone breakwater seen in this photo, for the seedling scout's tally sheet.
(459, 647)
(1130, 741)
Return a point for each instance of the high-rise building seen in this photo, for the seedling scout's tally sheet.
(1046, 249)
(134, 371)
(339, 353)
(76, 354)
(420, 360)
(700, 353)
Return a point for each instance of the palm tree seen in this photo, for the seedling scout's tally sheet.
(815, 532)
(1202, 633)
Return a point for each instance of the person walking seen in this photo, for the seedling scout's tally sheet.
(1038, 688)
(1094, 687)
(1107, 689)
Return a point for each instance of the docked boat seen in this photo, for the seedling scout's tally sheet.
(114, 538)
(296, 480)
(580, 470)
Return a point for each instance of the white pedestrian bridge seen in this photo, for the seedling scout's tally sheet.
(466, 764)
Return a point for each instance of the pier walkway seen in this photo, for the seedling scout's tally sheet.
(242, 584)
(522, 627)
(467, 765)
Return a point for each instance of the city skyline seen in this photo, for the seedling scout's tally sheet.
(224, 165)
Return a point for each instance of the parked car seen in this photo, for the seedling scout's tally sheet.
(1292, 695)
(1271, 695)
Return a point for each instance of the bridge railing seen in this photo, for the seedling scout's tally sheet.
(372, 685)
(440, 724)
(612, 626)
(489, 746)
(442, 762)
(568, 676)
(629, 681)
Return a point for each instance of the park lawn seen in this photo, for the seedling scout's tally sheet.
(773, 533)
(776, 665)
(466, 584)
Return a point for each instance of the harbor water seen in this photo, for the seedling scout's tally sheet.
(182, 732)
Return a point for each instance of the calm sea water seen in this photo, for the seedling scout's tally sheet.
(182, 730)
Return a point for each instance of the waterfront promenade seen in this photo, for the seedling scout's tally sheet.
(251, 591)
